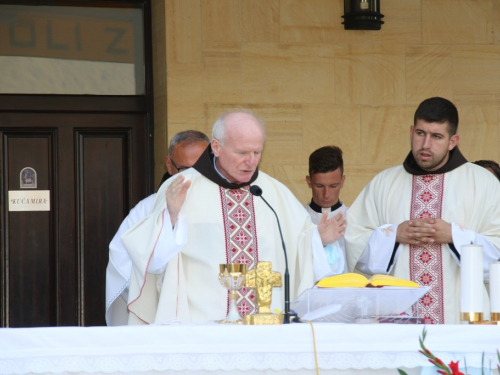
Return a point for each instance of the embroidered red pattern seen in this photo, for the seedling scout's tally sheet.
(426, 262)
(241, 238)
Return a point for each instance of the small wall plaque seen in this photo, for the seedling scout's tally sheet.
(35, 200)
(28, 178)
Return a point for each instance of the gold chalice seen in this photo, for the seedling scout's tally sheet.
(232, 277)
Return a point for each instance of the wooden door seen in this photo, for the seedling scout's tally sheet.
(86, 134)
(95, 167)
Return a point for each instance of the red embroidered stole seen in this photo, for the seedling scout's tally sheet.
(240, 238)
(426, 262)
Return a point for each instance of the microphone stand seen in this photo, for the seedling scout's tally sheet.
(287, 314)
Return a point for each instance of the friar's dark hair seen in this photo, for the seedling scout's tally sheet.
(493, 165)
(438, 110)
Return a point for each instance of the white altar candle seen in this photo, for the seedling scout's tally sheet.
(471, 279)
(495, 287)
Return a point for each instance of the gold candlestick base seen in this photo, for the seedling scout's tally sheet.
(472, 317)
(263, 319)
(495, 316)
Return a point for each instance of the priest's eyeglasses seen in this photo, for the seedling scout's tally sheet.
(180, 168)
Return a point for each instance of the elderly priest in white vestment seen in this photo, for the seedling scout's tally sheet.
(206, 217)
(412, 219)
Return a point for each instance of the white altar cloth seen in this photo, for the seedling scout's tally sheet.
(229, 349)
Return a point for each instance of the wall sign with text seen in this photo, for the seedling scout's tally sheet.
(29, 200)
(64, 34)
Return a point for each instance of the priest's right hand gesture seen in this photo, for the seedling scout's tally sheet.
(175, 197)
(331, 229)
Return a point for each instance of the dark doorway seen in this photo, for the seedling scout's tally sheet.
(91, 155)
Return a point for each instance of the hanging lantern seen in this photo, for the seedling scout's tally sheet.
(362, 15)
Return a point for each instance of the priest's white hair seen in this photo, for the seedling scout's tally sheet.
(219, 127)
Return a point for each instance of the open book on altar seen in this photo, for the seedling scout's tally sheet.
(355, 280)
(347, 299)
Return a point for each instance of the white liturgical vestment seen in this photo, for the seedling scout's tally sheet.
(217, 225)
(120, 266)
(468, 197)
(335, 251)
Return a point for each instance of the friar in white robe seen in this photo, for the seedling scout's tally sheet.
(185, 148)
(458, 192)
(175, 271)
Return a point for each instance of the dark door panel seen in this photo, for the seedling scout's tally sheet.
(102, 187)
(29, 254)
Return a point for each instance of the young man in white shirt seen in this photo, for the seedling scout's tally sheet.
(326, 178)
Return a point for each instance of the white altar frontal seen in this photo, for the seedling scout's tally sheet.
(237, 349)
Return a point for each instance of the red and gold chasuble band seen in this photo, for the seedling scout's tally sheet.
(240, 238)
(426, 262)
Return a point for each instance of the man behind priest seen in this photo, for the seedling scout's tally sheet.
(184, 150)
(491, 166)
(209, 218)
(412, 219)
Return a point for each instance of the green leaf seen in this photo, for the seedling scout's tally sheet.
(424, 333)
(401, 372)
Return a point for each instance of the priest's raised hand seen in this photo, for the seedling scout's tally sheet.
(175, 196)
(331, 229)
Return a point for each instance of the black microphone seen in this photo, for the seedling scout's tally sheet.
(257, 191)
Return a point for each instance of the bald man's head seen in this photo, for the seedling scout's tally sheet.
(184, 150)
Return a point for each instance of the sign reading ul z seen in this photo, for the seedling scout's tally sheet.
(95, 39)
